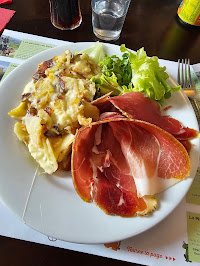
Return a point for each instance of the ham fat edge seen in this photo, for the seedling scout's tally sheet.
(120, 163)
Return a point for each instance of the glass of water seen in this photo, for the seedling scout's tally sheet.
(108, 17)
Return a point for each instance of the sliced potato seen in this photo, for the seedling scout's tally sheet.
(44, 155)
(91, 111)
(19, 111)
(21, 134)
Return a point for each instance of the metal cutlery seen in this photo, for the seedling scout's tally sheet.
(185, 80)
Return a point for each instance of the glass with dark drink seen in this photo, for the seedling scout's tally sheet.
(65, 14)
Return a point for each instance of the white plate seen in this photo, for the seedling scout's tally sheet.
(49, 204)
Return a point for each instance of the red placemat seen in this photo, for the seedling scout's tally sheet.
(5, 1)
(5, 16)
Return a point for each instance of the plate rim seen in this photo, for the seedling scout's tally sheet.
(45, 54)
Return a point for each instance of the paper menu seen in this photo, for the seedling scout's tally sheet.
(193, 228)
(166, 243)
(193, 195)
(18, 46)
(163, 244)
(196, 77)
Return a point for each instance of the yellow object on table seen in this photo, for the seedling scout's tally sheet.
(189, 12)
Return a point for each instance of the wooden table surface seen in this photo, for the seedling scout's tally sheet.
(152, 24)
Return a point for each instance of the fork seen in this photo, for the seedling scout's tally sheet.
(185, 80)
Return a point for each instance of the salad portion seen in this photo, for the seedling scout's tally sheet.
(132, 72)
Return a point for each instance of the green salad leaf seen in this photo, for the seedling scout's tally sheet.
(96, 52)
(106, 84)
(131, 72)
(116, 75)
(120, 67)
(148, 77)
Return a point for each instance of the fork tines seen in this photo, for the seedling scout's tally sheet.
(184, 73)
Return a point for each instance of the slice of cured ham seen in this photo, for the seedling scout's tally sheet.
(136, 105)
(104, 105)
(117, 162)
(156, 159)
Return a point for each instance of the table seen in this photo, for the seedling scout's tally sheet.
(152, 24)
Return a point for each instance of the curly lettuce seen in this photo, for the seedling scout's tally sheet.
(148, 77)
(131, 72)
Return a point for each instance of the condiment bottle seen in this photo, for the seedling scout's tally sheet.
(189, 12)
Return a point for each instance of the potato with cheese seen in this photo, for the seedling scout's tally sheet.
(53, 105)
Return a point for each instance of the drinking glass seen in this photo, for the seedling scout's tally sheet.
(108, 17)
(65, 14)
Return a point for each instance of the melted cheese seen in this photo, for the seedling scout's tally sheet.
(53, 107)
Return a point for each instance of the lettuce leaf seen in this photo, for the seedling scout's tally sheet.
(131, 72)
(116, 75)
(105, 84)
(148, 77)
(121, 67)
(96, 52)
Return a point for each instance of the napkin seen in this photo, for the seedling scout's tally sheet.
(5, 16)
(5, 1)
